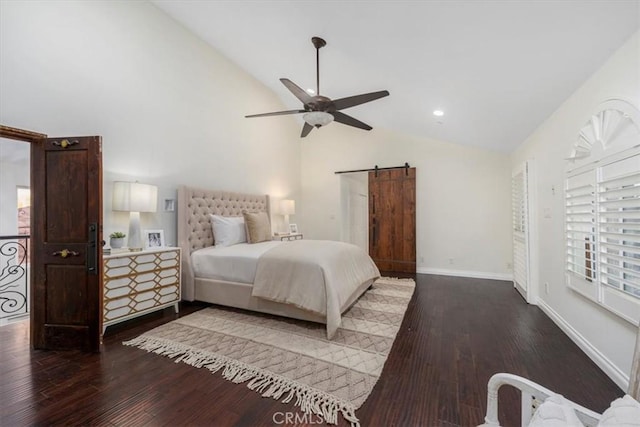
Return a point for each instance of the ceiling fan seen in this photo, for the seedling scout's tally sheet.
(320, 110)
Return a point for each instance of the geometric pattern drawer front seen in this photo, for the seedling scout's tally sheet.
(130, 264)
(137, 283)
(120, 307)
(134, 283)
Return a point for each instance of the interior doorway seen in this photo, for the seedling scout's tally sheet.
(64, 252)
(15, 210)
(355, 209)
(378, 212)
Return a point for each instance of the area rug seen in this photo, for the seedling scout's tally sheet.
(291, 360)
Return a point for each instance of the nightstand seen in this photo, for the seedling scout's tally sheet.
(288, 237)
(137, 283)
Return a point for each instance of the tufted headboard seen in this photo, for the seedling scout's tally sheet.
(194, 226)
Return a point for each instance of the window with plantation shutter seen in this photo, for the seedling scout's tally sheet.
(580, 225)
(619, 228)
(602, 211)
(518, 202)
(520, 223)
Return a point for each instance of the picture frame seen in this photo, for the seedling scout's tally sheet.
(169, 205)
(153, 239)
(293, 228)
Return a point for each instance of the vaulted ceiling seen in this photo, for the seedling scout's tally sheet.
(497, 69)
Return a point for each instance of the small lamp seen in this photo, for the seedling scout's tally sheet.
(318, 118)
(134, 198)
(287, 207)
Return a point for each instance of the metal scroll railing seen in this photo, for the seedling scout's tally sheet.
(14, 276)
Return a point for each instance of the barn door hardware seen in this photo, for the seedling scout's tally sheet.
(376, 169)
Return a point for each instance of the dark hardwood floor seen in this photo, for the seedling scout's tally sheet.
(457, 332)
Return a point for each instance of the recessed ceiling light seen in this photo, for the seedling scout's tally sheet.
(438, 113)
(311, 91)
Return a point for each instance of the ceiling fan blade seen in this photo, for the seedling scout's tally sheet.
(348, 120)
(352, 101)
(306, 129)
(297, 91)
(277, 113)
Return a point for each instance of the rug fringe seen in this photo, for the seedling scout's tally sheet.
(309, 400)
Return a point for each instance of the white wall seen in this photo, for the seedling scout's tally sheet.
(462, 195)
(608, 339)
(12, 176)
(170, 109)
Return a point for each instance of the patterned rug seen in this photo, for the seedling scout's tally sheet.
(286, 359)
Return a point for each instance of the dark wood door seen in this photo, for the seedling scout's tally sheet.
(392, 219)
(66, 188)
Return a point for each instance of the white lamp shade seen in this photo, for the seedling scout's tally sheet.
(134, 197)
(287, 207)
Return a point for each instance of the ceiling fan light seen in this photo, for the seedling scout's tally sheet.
(317, 118)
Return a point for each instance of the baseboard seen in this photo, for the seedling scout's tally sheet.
(463, 273)
(607, 366)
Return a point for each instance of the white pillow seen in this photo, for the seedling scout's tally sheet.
(623, 412)
(228, 230)
(555, 412)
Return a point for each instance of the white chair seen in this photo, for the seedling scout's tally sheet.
(533, 395)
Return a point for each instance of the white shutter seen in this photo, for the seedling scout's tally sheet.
(519, 209)
(619, 233)
(580, 222)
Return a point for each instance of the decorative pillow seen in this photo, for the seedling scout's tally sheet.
(623, 412)
(556, 411)
(257, 226)
(228, 230)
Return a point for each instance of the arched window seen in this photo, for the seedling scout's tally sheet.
(602, 210)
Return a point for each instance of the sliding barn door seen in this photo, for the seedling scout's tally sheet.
(66, 179)
(392, 219)
(520, 221)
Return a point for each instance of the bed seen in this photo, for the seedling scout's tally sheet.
(248, 275)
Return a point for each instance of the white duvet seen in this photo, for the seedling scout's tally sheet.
(236, 263)
(316, 275)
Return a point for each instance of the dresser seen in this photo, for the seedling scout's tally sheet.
(137, 283)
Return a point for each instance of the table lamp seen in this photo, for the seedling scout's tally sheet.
(287, 207)
(134, 198)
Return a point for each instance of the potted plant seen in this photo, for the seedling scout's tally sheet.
(116, 239)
